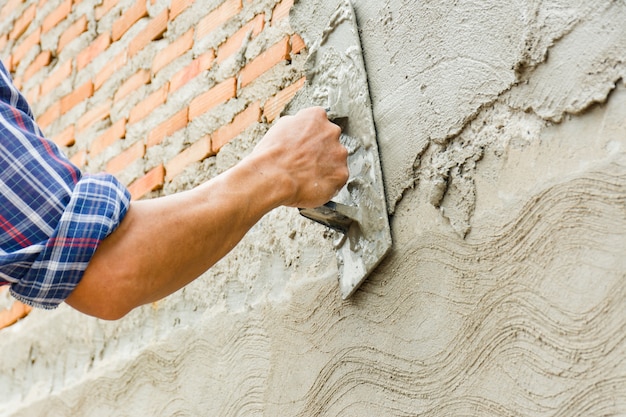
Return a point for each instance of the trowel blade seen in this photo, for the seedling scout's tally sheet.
(337, 81)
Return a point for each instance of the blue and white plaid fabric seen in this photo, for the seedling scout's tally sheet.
(52, 217)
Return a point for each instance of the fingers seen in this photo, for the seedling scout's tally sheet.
(305, 149)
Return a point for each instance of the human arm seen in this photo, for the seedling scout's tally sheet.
(163, 244)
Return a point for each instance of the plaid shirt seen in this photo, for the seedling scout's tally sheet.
(52, 217)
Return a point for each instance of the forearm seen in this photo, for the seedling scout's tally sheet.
(165, 243)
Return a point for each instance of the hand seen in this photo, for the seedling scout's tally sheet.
(305, 152)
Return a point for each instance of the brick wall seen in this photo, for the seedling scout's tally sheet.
(151, 90)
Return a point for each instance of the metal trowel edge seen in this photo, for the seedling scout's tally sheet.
(336, 80)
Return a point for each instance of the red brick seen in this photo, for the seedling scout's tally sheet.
(128, 19)
(72, 32)
(32, 95)
(27, 44)
(21, 23)
(65, 138)
(127, 157)
(114, 65)
(60, 73)
(191, 71)
(223, 135)
(104, 8)
(116, 132)
(51, 114)
(17, 82)
(79, 158)
(218, 17)
(4, 41)
(172, 51)
(168, 127)
(77, 96)
(147, 105)
(200, 150)
(95, 48)
(56, 16)
(234, 42)
(17, 311)
(153, 180)
(9, 8)
(178, 6)
(297, 44)
(96, 114)
(154, 30)
(206, 101)
(38, 63)
(281, 11)
(140, 78)
(258, 66)
(275, 105)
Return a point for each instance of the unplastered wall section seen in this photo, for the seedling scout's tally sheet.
(152, 91)
(146, 89)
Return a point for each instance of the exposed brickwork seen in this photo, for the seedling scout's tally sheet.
(195, 153)
(235, 41)
(108, 138)
(129, 18)
(9, 7)
(153, 180)
(152, 31)
(140, 78)
(218, 17)
(104, 8)
(61, 73)
(219, 94)
(275, 105)
(173, 51)
(79, 94)
(21, 23)
(168, 127)
(146, 106)
(275, 54)
(179, 6)
(126, 157)
(95, 48)
(73, 32)
(50, 115)
(129, 61)
(38, 63)
(30, 42)
(297, 44)
(118, 62)
(56, 16)
(65, 138)
(223, 135)
(93, 115)
(281, 11)
(191, 71)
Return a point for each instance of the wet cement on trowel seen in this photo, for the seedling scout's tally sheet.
(336, 80)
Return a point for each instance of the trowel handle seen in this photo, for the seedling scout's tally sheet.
(337, 216)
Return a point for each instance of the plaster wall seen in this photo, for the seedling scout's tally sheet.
(502, 133)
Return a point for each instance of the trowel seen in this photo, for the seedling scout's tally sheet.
(337, 81)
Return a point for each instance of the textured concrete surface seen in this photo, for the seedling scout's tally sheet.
(503, 140)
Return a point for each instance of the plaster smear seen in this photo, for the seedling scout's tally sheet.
(336, 80)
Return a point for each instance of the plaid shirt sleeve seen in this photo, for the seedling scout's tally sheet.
(52, 217)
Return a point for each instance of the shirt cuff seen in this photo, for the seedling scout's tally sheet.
(97, 206)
